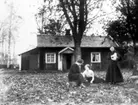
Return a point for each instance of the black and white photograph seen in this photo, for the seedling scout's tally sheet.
(68, 52)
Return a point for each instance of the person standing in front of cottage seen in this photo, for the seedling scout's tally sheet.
(113, 74)
(75, 75)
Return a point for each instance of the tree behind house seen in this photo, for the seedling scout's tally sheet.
(125, 28)
(78, 15)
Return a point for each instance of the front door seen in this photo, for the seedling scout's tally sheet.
(67, 61)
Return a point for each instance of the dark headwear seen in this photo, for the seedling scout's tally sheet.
(80, 61)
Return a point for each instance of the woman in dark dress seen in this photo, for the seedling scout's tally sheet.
(113, 74)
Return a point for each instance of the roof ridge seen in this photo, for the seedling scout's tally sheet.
(64, 41)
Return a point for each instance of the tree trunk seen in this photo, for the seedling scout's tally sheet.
(9, 44)
(135, 59)
(9, 50)
(3, 50)
(77, 51)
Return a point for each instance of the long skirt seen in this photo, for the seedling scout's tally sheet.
(96, 79)
(113, 74)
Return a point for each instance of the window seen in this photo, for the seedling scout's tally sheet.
(95, 57)
(50, 58)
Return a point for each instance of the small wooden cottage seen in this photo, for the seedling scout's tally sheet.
(56, 53)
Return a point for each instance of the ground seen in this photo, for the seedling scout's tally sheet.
(22, 88)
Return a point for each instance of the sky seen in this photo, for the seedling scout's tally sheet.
(28, 28)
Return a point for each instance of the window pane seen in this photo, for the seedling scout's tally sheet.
(50, 58)
(52, 55)
(95, 57)
(48, 55)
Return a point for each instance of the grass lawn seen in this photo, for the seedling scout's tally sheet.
(51, 89)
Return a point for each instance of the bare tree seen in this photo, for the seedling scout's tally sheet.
(80, 15)
(45, 15)
(3, 40)
(9, 32)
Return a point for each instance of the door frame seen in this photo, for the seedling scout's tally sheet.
(67, 50)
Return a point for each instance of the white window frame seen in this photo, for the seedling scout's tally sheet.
(46, 55)
(99, 61)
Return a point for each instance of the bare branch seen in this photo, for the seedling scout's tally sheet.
(73, 7)
(66, 14)
(98, 16)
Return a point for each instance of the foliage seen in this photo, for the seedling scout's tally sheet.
(118, 31)
(47, 13)
(48, 88)
(53, 28)
(125, 29)
(126, 25)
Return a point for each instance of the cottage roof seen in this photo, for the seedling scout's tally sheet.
(67, 41)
